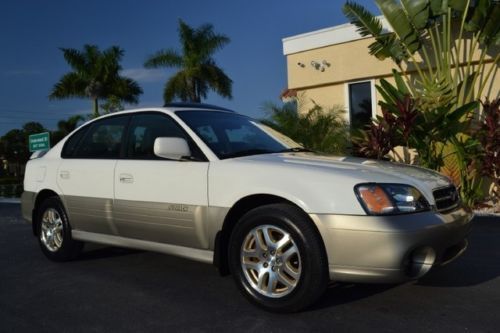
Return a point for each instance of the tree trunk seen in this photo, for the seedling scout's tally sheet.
(96, 107)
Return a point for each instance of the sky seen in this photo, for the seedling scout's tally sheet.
(31, 33)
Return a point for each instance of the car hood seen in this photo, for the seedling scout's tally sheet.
(372, 170)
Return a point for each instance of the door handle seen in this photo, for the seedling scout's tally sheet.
(64, 174)
(126, 178)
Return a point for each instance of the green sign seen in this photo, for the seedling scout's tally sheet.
(40, 141)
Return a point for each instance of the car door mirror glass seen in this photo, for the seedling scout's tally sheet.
(171, 148)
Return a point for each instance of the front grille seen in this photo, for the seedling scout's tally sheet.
(446, 198)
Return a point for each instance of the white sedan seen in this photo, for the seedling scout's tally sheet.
(208, 184)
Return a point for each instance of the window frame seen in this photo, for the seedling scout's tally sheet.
(85, 128)
(347, 98)
(125, 137)
(89, 129)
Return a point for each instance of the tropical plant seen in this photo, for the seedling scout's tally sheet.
(430, 38)
(441, 49)
(320, 130)
(403, 124)
(112, 104)
(198, 72)
(489, 137)
(96, 75)
(64, 127)
(429, 133)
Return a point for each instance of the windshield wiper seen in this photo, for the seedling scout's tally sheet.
(247, 153)
(296, 150)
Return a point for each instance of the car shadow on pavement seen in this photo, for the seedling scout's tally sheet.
(342, 293)
(94, 252)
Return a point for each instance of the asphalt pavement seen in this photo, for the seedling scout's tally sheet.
(116, 290)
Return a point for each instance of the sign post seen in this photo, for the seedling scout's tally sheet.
(40, 141)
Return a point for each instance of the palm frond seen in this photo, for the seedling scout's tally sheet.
(69, 86)
(126, 90)
(366, 23)
(164, 58)
(218, 80)
(74, 58)
(176, 88)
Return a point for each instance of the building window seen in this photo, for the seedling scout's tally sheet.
(360, 104)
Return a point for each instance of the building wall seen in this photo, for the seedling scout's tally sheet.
(344, 63)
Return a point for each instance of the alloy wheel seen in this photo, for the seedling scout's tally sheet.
(270, 260)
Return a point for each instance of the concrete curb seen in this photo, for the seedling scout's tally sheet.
(10, 200)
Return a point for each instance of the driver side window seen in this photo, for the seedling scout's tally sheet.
(144, 129)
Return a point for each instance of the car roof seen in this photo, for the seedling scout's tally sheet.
(168, 108)
(171, 108)
(196, 106)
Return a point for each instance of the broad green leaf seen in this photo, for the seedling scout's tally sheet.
(465, 85)
(387, 46)
(458, 5)
(400, 83)
(462, 111)
(418, 12)
(436, 7)
(391, 90)
(491, 28)
(398, 20)
(385, 95)
(479, 15)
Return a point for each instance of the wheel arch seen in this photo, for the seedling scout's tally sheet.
(240, 208)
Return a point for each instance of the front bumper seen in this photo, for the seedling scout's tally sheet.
(391, 249)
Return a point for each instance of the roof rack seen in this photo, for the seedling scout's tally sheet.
(195, 105)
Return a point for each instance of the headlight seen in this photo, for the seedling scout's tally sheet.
(386, 199)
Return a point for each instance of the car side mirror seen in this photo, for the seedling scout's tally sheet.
(171, 148)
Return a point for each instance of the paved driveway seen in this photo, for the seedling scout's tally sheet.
(110, 289)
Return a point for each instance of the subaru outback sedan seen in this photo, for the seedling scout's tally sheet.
(208, 184)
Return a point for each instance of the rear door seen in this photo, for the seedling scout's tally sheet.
(158, 199)
(86, 174)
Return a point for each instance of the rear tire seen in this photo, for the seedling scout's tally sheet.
(54, 231)
(277, 258)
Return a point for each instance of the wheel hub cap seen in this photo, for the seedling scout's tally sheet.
(270, 260)
(51, 233)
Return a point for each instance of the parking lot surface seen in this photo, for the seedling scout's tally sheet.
(111, 289)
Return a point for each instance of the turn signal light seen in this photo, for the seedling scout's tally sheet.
(375, 199)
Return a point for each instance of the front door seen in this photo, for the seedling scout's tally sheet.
(157, 199)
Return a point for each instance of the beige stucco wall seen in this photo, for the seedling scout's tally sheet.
(350, 62)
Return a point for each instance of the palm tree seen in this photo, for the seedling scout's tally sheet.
(198, 71)
(95, 75)
(64, 127)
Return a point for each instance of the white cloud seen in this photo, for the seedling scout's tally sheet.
(144, 75)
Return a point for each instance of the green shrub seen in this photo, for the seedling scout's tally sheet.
(320, 130)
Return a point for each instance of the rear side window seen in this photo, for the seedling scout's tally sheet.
(144, 129)
(72, 143)
(103, 139)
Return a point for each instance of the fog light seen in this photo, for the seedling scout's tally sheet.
(420, 262)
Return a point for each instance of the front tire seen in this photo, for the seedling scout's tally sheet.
(54, 231)
(277, 258)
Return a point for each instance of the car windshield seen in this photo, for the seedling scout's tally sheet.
(233, 135)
